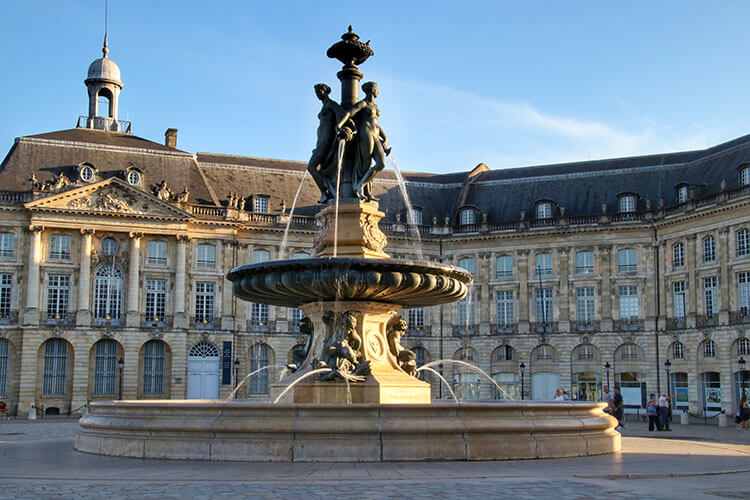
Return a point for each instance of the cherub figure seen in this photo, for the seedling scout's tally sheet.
(396, 328)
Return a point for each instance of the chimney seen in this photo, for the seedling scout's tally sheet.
(170, 138)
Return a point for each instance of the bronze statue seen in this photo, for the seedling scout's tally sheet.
(322, 164)
(396, 328)
(372, 143)
(342, 350)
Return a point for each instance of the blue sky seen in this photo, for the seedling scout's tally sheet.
(505, 83)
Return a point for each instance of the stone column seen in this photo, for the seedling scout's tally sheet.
(31, 315)
(523, 291)
(563, 271)
(605, 269)
(724, 279)
(133, 316)
(83, 316)
(180, 319)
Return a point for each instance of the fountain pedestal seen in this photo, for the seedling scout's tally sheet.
(386, 382)
(358, 232)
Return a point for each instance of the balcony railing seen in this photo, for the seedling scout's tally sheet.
(466, 228)
(420, 331)
(160, 322)
(585, 326)
(460, 331)
(739, 317)
(506, 328)
(258, 326)
(14, 197)
(707, 320)
(103, 123)
(544, 327)
(9, 318)
(630, 324)
(543, 223)
(107, 322)
(676, 323)
(204, 323)
(57, 319)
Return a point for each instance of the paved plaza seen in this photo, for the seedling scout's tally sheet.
(37, 460)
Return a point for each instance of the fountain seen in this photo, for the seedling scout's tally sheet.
(356, 395)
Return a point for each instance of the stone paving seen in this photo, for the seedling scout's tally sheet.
(37, 460)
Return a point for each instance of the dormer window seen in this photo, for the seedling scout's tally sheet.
(544, 210)
(627, 203)
(86, 172)
(467, 216)
(682, 194)
(260, 204)
(415, 216)
(134, 178)
(744, 175)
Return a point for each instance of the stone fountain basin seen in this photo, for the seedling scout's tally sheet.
(291, 283)
(222, 430)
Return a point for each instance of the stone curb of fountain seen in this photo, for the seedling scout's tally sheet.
(659, 475)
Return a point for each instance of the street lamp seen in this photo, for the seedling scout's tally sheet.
(607, 366)
(120, 364)
(667, 366)
(741, 363)
(522, 367)
(236, 372)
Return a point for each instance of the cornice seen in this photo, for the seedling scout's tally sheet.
(101, 147)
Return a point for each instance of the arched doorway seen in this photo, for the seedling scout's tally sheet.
(545, 379)
(203, 371)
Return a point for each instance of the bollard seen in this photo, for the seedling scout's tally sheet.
(684, 419)
(722, 420)
(32, 412)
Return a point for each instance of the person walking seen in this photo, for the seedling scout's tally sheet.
(618, 408)
(652, 410)
(743, 414)
(665, 411)
(607, 398)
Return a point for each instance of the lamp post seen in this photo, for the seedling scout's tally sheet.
(741, 363)
(236, 372)
(120, 364)
(522, 367)
(607, 366)
(667, 366)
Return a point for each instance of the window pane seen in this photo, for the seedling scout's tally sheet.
(6, 245)
(505, 266)
(206, 256)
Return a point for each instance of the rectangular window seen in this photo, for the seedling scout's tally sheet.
(544, 210)
(157, 253)
(505, 316)
(467, 217)
(295, 317)
(59, 247)
(206, 256)
(505, 266)
(416, 217)
(627, 203)
(678, 255)
(543, 264)
(544, 306)
(6, 294)
(55, 363)
(585, 262)
(585, 305)
(6, 245)
(678, 296)
(416, 318)
(743, 242)
(466, 311)
(261, 255)
(629, 303)
(204, 302)
(58, 295)
(627, 260)
(153, 368)
(260, 204)
(467, 263)
(259, 314)
(156, 299)
(743, 292)
(709, 249)
(105, 368)
(709, 295)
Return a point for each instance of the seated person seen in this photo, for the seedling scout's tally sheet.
(4, 411)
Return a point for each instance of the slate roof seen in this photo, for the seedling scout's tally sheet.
(578, 187)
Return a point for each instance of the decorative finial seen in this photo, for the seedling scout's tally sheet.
(105, 49)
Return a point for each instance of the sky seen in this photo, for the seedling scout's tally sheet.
(508, 84)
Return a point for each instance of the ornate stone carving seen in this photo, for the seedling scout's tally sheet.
(306, 329)
(406, 359)
(374, 238)
(342, 351)
(103, 202)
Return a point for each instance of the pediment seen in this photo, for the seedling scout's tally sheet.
(108, 197)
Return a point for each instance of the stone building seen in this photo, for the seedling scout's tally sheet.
(113, 252)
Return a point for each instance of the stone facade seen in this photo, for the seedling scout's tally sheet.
(101, 262)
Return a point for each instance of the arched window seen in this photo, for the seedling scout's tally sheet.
(108, 293)
(259, 357)
(743, 242)
(153, 368)
(105, 367)
(55, 367)
(585, 352)
(627, 203)
(505, 353)
(544, 352)
(629, 352)
(204, 350)
(709, 249)
(103, 107)
(544, 210)
(4, 358)
(678, 350)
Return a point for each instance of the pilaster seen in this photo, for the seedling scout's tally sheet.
(83, 316)
(133, 316)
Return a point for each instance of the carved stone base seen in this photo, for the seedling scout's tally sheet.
(387, 383)
(358, 232)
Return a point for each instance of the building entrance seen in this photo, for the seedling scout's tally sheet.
(203, 371)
